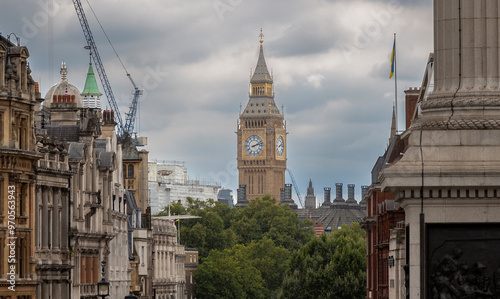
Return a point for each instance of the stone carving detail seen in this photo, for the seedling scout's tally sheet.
(452, 278)
(460, 102)
(460, 124)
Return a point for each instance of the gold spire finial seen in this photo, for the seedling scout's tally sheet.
(261, 36)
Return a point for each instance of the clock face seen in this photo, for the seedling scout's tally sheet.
(254, 145)
(280, 145)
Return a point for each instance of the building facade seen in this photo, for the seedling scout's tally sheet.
(97, 224)
(191, 264)
(385, 218)
(52, 254)
(18, 162)
(261, 138)
(169, 277)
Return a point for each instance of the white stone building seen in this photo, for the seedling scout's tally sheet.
(169, 183)
(169, 258)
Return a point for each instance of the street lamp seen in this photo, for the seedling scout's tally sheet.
(103, 285)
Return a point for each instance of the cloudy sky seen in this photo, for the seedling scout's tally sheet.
(330, 60)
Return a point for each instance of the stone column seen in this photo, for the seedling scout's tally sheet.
(64, 219)
(81, 201)
(466, 39)
(45, 217)
(104, 196)
(38, 229)
(56, 290)
(56, 234)
(110, 194)
(45, 290)
(75, 190)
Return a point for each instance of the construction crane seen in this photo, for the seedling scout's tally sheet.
(294, 183)
(130, 120)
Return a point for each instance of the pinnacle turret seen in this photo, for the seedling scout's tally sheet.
(91, 94)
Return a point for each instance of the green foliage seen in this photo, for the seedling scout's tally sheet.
(271, 261)
(263, 218)
(175, 209)
(211, 231)
(332, 266)
(253, 271)
(226, 274)
(244, 252)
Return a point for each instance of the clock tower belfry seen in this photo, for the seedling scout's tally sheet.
(261, 137)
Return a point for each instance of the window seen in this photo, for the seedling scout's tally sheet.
(49, 228)
(124, 171)
(142, 255)
(89, 269)
(131, 171)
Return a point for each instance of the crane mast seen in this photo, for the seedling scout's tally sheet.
(99, 66)
(294, 183)
(130, 120)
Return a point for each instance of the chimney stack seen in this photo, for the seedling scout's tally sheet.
(327, 192)
(350, 194)
(242, 196)
(338, 189)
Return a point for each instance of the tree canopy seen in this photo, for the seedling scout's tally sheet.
(331, 266)
(264, 218)
(253, 271)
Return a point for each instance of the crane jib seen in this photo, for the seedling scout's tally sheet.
(129, 124)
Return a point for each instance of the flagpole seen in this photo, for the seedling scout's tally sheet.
(396, 83)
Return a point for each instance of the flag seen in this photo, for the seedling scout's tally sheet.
(393, 58)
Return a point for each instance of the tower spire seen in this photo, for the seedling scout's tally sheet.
(393, 124)
(261, 73)
(91, 94)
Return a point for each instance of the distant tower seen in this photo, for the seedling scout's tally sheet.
(261, 137)
(310, 197)
(91, 96)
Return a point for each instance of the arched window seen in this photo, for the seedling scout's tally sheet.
(131, 171)
(124, 171)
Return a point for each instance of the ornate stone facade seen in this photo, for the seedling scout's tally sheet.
(52, 251)
(18, 162)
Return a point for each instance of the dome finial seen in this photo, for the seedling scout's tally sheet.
(261, 36)
(64, 71)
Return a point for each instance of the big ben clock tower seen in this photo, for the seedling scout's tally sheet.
(261, 137)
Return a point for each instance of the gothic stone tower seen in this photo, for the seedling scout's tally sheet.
(261, 137)
(447, 180)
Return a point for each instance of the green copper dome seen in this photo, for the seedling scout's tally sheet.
(91, 84)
